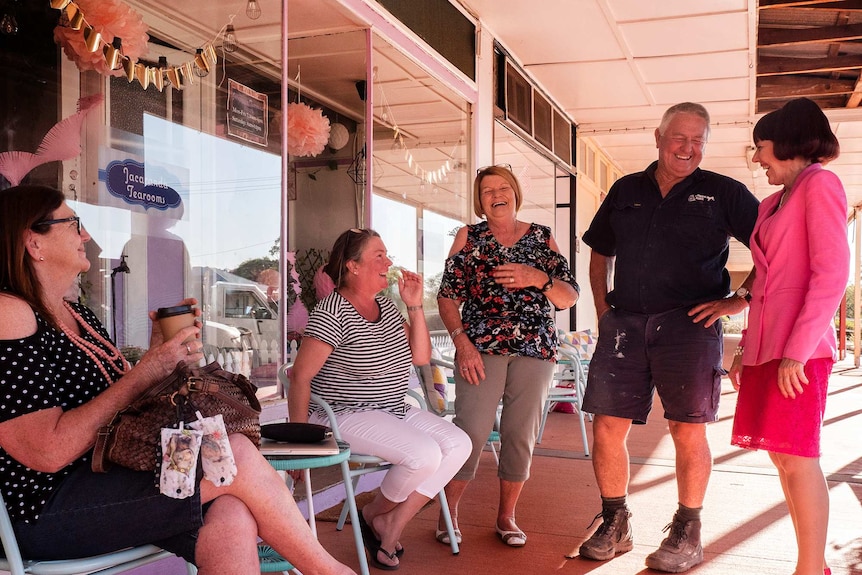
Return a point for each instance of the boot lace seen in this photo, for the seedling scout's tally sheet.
(608, 524)
(677, 533)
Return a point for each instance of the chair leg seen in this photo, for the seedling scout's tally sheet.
(447, 518)
(342, 518)
(350, 506)
(583, 431)
(545, 409)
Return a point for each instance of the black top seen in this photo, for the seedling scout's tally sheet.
(37, 372)
(671, 252)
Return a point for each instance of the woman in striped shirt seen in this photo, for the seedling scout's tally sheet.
(356, 354)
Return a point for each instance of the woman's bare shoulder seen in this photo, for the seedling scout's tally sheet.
(18, 318)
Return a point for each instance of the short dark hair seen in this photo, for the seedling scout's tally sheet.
(799, 129)
(20, 208)
(348, 247)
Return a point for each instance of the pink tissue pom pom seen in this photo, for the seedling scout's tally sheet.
(111, 18)
(323, 284)
(297, 317)
(307, 130)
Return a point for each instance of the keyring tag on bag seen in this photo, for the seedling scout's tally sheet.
(180, 448)
(216, 454)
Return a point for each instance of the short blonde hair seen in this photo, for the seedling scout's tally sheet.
(505, 173)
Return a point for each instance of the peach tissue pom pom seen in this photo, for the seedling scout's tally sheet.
(307, 130)
(111, 18)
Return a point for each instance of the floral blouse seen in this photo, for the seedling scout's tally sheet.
(500, 321)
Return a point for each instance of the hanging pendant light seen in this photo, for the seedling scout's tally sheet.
(229, 43)
(252, 9)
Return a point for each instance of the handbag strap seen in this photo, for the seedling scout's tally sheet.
(99, 463)
(195, 385)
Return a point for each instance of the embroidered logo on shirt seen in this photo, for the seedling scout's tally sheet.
(701, 198)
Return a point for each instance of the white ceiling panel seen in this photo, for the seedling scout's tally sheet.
(699, 34)
(689, 67)
(703, 91)
(593, 36)
(628, 10)
(610, 83)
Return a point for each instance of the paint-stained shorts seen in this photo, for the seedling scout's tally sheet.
(666, 352)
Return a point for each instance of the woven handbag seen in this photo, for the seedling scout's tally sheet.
(132, 439)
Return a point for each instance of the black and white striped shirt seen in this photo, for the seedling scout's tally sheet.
(369, 366)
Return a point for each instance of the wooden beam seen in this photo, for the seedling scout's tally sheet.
(856, 97)
(775, 103)
(787, 37)
(825, 4)
(801, 86)
(771, 65)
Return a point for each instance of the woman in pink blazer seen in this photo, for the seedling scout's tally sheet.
(781, 367)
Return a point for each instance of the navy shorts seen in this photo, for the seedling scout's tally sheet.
(665, 352)
(93, 513)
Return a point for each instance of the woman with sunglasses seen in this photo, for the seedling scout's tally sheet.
(61, 379)
(356, 353)
(507, 277)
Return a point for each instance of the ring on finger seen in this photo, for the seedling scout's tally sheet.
(189, 349)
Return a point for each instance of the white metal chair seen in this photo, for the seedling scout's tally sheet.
(109, 563)
(361, 464)
(441, 405)
(568, 386)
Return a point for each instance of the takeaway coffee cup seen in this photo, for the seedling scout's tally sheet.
(173, 319)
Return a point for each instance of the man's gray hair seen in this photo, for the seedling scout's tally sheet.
(683, 108)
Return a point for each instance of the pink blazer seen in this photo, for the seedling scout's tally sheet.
(802, 261)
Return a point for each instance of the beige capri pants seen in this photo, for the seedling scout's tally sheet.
(522, 383)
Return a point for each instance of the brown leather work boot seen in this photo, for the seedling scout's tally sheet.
(681, 550)
(613, 536)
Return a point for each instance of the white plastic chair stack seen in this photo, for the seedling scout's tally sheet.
(570, 381)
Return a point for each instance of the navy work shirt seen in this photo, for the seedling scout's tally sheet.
(671, 252)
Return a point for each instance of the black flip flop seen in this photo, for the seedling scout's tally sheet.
(375, 562)
(369, 537)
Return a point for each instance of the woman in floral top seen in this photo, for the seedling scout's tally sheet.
(509, 276)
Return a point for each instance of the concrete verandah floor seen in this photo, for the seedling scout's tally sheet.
(746, 527)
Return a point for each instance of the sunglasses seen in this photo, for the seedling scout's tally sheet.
(75, 219)
(505, 166)
(352, 234)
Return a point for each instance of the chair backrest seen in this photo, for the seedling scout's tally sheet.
(115, 562)
(583, 342)
(434, 385)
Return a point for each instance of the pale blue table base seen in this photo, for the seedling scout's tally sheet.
(274, 562)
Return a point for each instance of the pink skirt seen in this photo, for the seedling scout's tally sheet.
(767, 420)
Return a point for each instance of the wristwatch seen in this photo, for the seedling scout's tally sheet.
(743, 293)
(549, 284)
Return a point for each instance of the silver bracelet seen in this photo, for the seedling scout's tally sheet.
(414, 307)
(456, 332)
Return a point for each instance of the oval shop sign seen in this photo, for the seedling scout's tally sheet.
(125, 179)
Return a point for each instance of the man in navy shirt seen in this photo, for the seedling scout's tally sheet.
(664, 235)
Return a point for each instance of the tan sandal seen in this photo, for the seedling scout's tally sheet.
(442, 536)
(512, 538)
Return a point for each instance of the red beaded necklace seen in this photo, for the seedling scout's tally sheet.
(115, 359)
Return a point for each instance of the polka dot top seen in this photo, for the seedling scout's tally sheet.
(38, 372)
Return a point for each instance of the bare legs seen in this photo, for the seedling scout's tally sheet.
(388, 519)
(808, 502)
(257, 503)
(611, 455)
(510, 492)
(693, 461)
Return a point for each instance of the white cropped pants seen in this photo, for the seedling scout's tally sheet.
(426, 450)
